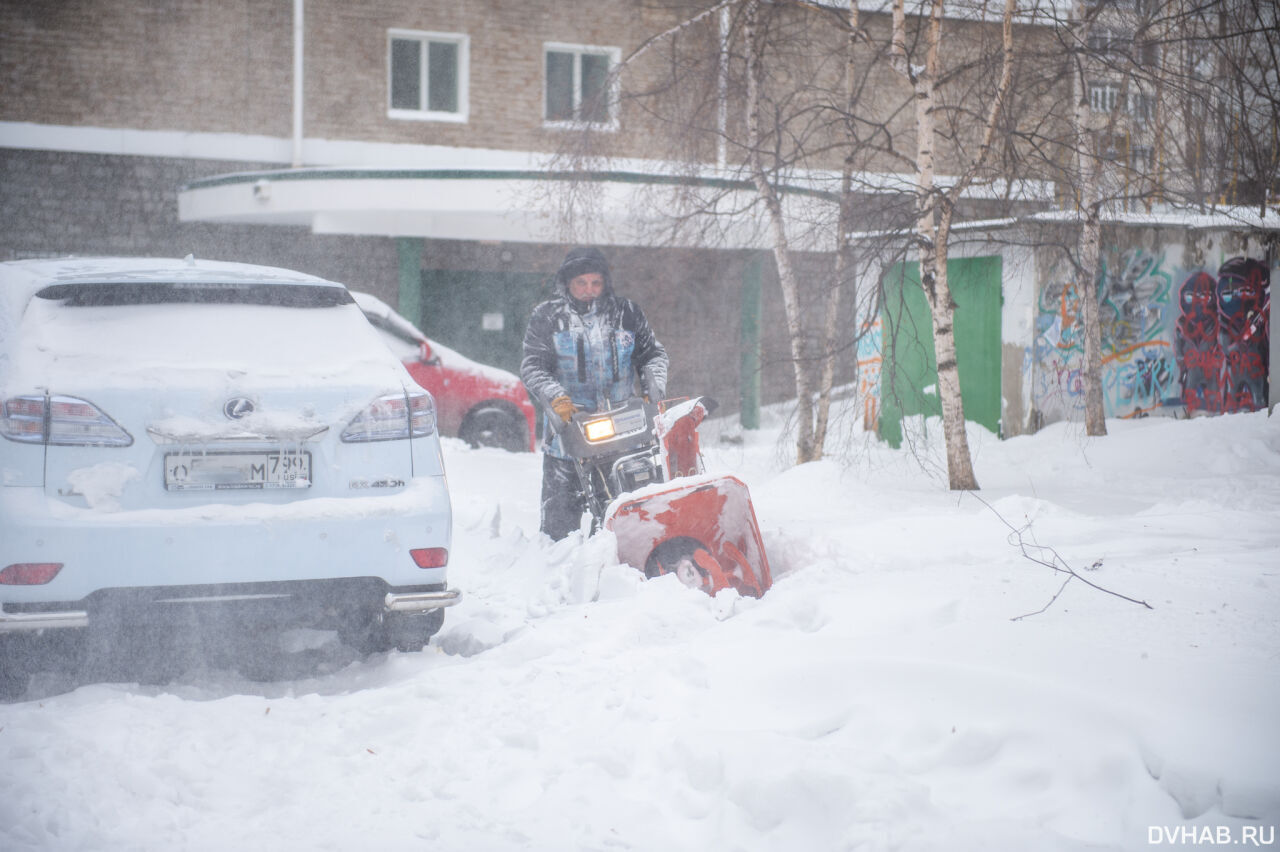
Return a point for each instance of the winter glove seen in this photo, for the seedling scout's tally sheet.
(564, 407)
(654, 383)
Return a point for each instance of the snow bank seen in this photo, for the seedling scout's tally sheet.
(885, 694)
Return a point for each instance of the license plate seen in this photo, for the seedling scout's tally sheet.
(236, 471)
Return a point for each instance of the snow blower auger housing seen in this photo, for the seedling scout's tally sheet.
(641, 474)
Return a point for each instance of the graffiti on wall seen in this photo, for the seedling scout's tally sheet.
(1134, 305)
(1173, 341)
(1223, 342)
(1138, 373)
(869, 363)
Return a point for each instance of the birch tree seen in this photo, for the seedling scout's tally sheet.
(1088, 205)
(935, 207)
(811, 424)
(774, 128)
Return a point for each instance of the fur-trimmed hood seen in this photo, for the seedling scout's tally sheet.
(579, 261)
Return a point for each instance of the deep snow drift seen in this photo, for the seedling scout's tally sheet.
(883, 695)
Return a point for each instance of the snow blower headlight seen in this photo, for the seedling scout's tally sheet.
(598, 430)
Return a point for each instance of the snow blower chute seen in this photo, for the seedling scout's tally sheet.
(642, 476)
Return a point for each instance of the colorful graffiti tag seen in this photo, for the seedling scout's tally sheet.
(1223, 339)
(869, 362)
(1139, 374)
(1206, 351)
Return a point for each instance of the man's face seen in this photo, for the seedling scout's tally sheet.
(587, 286)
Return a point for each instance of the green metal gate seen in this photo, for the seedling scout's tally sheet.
(909, 380)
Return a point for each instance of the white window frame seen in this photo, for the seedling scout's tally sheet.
(614, 55)
(1141, 158)
(1103, 96)
(1142, 108)
(1109, 43)
(463, 42)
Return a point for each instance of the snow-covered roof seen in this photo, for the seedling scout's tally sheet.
(1226, 218)
(630, 203)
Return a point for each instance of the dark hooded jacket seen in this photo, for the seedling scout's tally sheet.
(591, 352)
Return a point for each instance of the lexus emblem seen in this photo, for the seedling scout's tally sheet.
(238, 408)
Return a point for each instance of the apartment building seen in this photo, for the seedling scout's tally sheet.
(111, 107)
(404, 148)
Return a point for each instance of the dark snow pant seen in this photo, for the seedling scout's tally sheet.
(562, 500)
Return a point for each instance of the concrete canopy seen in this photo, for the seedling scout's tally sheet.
(609, 207)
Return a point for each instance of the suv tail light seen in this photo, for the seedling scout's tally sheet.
(61, 420)
(392, 417)
(29, 573)
(430, 557)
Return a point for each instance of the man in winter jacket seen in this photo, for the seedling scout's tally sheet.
(583, 351)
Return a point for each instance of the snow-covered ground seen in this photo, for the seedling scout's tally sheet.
(883, 695)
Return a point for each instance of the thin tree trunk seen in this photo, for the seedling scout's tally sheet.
(1095, 418)
(844, 251)
(933, 225)
(942, 310)
(781, 249)
(1088, 208)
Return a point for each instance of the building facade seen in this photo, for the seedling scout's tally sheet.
(114, 106)
(403, 148)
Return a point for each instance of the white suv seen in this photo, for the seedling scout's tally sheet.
(197, 443)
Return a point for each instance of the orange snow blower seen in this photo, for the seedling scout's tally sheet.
(641, 473)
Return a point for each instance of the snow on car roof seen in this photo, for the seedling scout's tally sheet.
(375, 307)
(22, 279)
(393, 323)
(52, 345)
(30, 275)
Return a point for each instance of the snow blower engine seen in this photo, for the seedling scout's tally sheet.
(641, 473)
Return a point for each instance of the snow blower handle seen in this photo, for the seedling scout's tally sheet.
(625, 428)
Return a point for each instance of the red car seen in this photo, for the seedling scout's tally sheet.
(482, 405)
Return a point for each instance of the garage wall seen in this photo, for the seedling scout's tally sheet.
(1185, 319)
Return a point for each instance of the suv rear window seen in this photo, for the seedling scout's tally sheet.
(174, 335)
(151, 293)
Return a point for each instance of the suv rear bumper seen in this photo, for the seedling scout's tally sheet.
(211, 544)
(314, 603)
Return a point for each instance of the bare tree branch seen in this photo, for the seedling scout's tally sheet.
(1050, 558)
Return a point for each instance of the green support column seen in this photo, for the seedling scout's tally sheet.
(409, 252)
(752, 285)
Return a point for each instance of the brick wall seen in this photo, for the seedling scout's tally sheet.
(222, 66)
(55, 203)
(227, 66)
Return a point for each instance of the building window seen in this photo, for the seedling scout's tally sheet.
(1149, 53)
(1104, 97)
(1141, 158)
(1142, 108)
(1108, 43)
(427, 75)
(1121, 149)
(579, 88)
